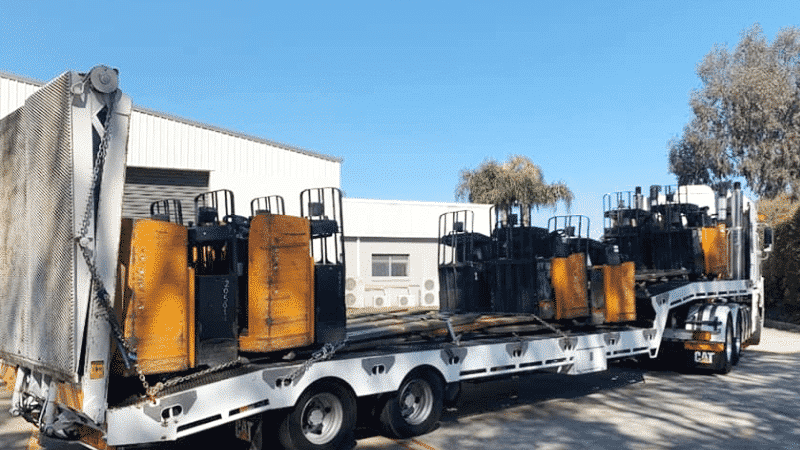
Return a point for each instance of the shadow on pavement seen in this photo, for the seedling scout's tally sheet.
(627, 407)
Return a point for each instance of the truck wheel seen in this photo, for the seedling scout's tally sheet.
(755, 339)
(726, 356)
(415, 408)
(323, 418)
(737, 340)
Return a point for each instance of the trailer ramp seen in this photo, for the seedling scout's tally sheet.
(47, 152)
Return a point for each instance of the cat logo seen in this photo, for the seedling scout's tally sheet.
(704, 357)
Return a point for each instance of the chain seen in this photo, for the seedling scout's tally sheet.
(453, 336)
(456, 338)
(84, 240)
(549, 326)
(326, 352)
(153, 391)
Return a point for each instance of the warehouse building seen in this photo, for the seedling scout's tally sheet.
(390, 246)
(171, 157)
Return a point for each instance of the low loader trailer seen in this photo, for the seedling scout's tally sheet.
(120, 333)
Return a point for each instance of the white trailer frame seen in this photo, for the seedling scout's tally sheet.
(230, 397)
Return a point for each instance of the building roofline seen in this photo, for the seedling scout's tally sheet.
(194, 123)
(238, 134)
(418, 202)
(15, 77)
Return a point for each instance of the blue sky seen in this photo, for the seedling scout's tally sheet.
(410, 93)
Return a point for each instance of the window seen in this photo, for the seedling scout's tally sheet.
(389, 265)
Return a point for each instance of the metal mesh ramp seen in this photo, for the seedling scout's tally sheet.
(37, 252)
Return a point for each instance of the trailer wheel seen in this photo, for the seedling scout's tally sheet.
(323, 418)
(415, 408)
(726, 356)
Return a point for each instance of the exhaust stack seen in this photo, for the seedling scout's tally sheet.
(737, 224)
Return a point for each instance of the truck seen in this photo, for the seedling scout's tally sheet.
(119, 333)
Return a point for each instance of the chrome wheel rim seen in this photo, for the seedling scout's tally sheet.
(416, 402)
(729, 344)
(737, 340)
(323, 416)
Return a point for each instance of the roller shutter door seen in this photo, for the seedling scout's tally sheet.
(144, 186)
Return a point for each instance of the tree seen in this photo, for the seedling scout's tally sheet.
(517, 181)
(781, 283)
(746, 117)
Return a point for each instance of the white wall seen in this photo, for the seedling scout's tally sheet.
(420, 287)
(13, 92)
(397, 228)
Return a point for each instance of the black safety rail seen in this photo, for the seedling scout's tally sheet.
(323, 208)
(272, 204)
(622, 210)
(218, 254)
(518, 272)
(570, 235)
(660, 233)
(207, 206)
(461, 253)
(168, 210)
(456, 238)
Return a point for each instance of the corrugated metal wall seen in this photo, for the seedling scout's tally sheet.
(13, 92)
(249, 166)
(144, 186)
(163, 141)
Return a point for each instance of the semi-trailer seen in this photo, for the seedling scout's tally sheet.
(118, 333)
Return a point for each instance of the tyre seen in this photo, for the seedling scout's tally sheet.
(737, 340)
(415, 408)
(323, 419)
(755, 339)
(725, 358)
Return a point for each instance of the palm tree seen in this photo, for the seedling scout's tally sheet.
(517, 181)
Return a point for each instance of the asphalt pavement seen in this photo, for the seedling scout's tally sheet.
(756, 406)
(627, 407)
